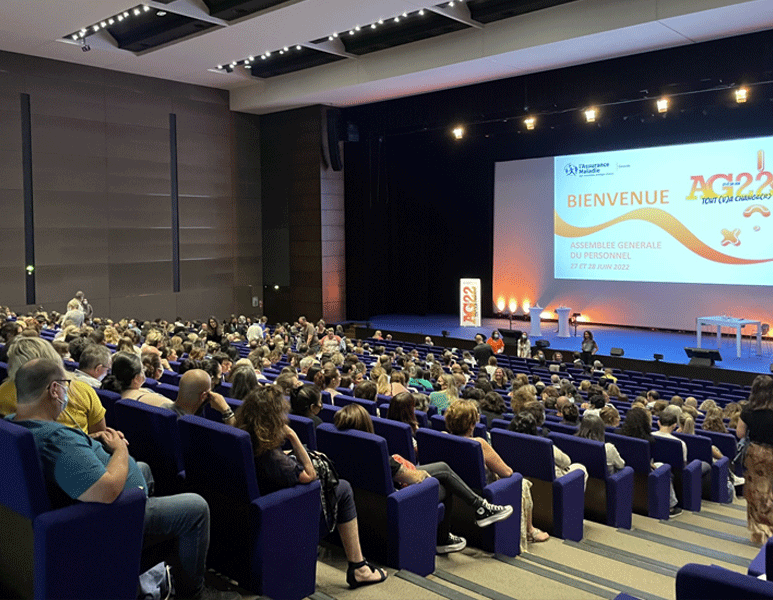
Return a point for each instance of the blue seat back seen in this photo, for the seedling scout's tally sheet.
(588, 452)
(561, 428)
(529, 455)
(328, 412)
(360, 458)
(698, 446)
(634, 451)
(23, 489)
(463, 455)
(108, 400)
(170, 391)
(499, 424)
(304, 427)
(398, 436)
(668, 452)
(218, 457)
(153, 438)
(369, 405)
(726, 442)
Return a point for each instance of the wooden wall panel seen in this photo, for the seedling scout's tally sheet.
(101, 175)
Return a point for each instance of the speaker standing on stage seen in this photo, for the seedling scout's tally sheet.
(589, 347)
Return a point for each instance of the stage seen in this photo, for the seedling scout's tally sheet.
(638, 344)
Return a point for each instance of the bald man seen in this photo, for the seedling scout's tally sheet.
(196, 391)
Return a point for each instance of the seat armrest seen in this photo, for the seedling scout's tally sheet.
(720, 471)
(691, 486)
(568, 505)
(620, 498)
(412, 511)
(279, 551)
(658, 492)
(506, 535)
(103, 540)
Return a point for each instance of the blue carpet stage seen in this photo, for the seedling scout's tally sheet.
(636, 343)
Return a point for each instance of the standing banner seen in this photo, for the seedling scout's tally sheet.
(469, 302)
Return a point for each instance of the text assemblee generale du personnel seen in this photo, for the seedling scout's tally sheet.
(627, 245)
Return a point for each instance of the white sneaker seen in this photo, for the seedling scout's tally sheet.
(737, 480)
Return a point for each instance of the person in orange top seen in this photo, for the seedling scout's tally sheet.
(496, 343)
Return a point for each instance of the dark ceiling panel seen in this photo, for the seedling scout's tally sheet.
(148, 30)
(229, 10)
(488, 11)
(409, 29)
(291, 61)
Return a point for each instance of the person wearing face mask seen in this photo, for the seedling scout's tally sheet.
(496, 343)
(98, 468)
(84, 410)
(93, 365)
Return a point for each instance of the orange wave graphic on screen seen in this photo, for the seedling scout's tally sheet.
(667, 223)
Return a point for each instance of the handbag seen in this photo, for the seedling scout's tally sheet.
(328, 479)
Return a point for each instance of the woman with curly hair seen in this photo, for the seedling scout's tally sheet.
(263, 415)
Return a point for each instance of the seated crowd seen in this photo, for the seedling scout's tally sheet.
(56, 363)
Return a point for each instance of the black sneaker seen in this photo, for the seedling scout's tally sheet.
(454, 543)
(675, 511)
(488, 513)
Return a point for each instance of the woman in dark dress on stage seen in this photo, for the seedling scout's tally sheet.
(589, 347)
(756, 423)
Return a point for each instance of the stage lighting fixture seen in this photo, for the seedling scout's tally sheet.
(458, 132)
(85, 47)
(530, 122)
(590, 115)
(228, 68)
(663, 105)
(740, 95)
(657, 357)
(616, 352)
(445, 333)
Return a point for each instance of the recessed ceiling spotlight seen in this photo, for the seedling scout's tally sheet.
(381, 21)
(136, 12)
(110, 21)
(421, 12)
(126, 14)
(268, 53)
(145, 8)
(96, 28)
(298, 47)
(351, 32)
(405, 15)
(451, 3)
(397, 19)
(120, 18)
(161, 13)
(373, 26)
(281, 52)
(103, 24)
(81, 34)
(286, 49)
(263, 56)
(330, 38)
(335, 34)
(74, 36)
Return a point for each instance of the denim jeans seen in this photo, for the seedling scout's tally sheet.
(181, 524)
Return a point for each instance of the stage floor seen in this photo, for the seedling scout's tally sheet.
(636, 343)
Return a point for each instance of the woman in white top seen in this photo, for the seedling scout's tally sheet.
(592, 428)
(523, 350)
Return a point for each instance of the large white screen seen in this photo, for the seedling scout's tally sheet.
(695, 213)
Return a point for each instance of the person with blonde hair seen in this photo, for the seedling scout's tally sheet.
(83, 411)
(461, 418)
(447, 394)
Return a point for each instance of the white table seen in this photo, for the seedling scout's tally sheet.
(737, 324)
(563, 321)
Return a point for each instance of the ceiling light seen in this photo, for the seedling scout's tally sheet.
(263, 57)
(83, 31)
(298, 47)
(590, 115)
(740, 95)
(110, 21)
(451, 3)
(120, 17)
(530, 122)
(397, 19)
(268, 53)
(145, 8)
(405, 15)
(351, 32)
(421, 12)
(81, 34)
(663, 105)
(381, 21)
(281, 52)
(161, 13)
(373, 26)
(103, 24)
(96, 27)
(335, 34)
(74, 36)
(228, 69)
(136, 12)
(250, 58)
(357, 28)
(330, 38)
(233, 64)
(126, 14)
(458, 132)
(286, 49)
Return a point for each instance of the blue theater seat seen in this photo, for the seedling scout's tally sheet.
(465, 457)
(651, 493)
(699, 448)
(687, 478)
(268, 543)
(108, 400)
(42, 550)
(710, 582)
(608, 498)
(398, 436)
(397, 527)
(558, 501)
(153, 438)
